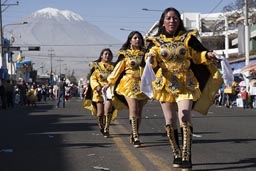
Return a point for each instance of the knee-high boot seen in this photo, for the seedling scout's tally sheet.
(187, 131)
(107, 124)
(173, 136)
(135, 136)
(100, 120)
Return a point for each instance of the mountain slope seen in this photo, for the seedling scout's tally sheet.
(64, 35)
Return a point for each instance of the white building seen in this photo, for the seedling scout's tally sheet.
(219, 31)
(223, 32)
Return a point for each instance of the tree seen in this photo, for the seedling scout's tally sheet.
(238, 5)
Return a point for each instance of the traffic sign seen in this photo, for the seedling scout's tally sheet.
(11, 48)
(34, 48)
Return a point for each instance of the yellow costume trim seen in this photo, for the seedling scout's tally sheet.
(189, 34)
(203, 104)
(87, 104)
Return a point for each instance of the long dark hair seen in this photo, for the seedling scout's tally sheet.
(126, 45)
(161, 29)
(99, 59)
(101, 53)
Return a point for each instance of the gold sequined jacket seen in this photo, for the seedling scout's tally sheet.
(173, 56)
(129, 70)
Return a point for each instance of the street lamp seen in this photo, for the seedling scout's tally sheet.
(124, 29)
(11, 24)
(146, 9)
(153, 30)
(12, 39)
(1, 32)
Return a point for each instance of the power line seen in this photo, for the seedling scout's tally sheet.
(214, 8)
(72, 45)
(46, 56)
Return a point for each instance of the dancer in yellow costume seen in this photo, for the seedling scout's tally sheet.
(99, 102)
(180, 61)
(31, 96)
(126, 76)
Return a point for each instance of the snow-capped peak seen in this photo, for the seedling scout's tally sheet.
(52, 12)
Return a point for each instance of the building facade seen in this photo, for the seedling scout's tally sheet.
(222, 32)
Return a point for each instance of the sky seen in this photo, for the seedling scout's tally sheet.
(112, 15)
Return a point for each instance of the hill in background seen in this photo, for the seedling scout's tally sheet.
(66, 40)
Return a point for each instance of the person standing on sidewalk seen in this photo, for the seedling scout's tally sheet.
(9, 94)
(100, 103)
(23, 88)
(126, 77)
(3, 93)
(244, 95)
(252, 93)
(61, 92)
(174, 51)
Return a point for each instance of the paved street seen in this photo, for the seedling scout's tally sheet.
(44, 138)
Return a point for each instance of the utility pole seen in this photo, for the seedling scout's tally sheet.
(51, 55)
(247, 40)
(246, 32)
(2, 61)
(42, 68)
(11, 60)
(1, 36)
(226, 36)
(60, 60)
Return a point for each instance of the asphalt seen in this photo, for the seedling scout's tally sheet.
(67, 139)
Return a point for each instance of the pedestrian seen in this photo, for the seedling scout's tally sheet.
(9, 94)
(51, 95)
(3, 93)
(100, 103)
(44, 92)
(230, 94)
(126, 77)
(244, 95)
(23, 88)
(222, 95)
(61, 92)
(252, 93)
(32, 96)
(176, 54)
(81, 90)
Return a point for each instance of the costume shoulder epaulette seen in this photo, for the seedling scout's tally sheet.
(121, 52)
(187, 35)
(192, 32)
(154, 40)
(93, 64)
